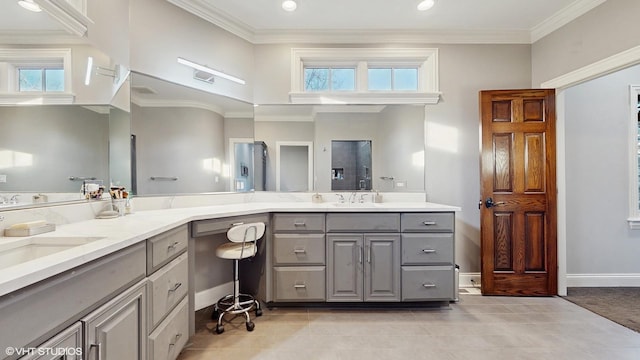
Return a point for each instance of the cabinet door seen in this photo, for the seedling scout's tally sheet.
(67, 345)
(382, 267)
(117, 330)
(344, 263)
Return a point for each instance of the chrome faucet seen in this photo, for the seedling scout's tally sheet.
(3, 200)
(340, 198)
(362, 196)
(352, 197)
(14, 199)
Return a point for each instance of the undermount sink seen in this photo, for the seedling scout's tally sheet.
(38, 247)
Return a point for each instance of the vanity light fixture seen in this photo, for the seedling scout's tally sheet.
(30, 5)
(87, 76)
(115, 73)
(425, 5)
(211, 71)
(289, 5)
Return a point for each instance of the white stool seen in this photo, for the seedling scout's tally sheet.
(242, 245)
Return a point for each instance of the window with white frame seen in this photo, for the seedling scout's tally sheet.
(634, 163)
(41, 79)
(364, 75)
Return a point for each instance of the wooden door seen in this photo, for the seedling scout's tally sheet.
(518, 189)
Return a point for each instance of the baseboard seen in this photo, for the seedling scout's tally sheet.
(209, 297)
(465, 280)
(603, 280)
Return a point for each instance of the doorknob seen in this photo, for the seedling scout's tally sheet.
(489, 203)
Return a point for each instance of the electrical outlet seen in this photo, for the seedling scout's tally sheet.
(3, 178)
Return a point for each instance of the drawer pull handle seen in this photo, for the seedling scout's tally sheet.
(237, 224)
(175, 287)
(429, 223)
(176, 338)
(428, 251)
(98, 347)
(299, 251)
(299, 286)
(173, 246)
(428, 286)
(299, 223)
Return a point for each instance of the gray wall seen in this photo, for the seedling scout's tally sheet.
(597, 124)
(294, 173)
(61, 141)
(120, 147)
(176, 142)
(604, 31)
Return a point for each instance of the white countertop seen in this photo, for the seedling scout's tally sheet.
(118, 233)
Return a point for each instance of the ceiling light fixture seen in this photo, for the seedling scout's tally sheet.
(210, 71)
(30, 5)
(289, 5)
(426, 5)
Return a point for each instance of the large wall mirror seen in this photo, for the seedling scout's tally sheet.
(353, 147)
(189, 141)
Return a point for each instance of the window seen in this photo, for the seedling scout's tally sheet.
(329, 79)
(364, 76)
(393, 79)
(40, 79)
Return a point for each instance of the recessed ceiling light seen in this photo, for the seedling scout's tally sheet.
(289, 5)
(29, 5)
(426, 5)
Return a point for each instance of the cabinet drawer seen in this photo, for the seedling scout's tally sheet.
(171, 336)
(166, 246)
(168, 286)
(298, 223)
(298, 249)
(222, 225)
(427, 283)
(427, 222)
(66, 345)
(300, 283)
(365, 222)
(427, 249)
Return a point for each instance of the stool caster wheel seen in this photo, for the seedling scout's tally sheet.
(220, 329)
(250, 326)
(258, 312)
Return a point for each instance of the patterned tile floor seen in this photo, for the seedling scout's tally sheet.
(477, 327)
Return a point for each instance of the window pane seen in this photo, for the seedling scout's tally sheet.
(343, 79)
(30, 79)
(379, 79)
(405, 79)
(54, 79)
(316, 79)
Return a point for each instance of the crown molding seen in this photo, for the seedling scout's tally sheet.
(563, 17)
(165, 103)
(39, 37)
(229, 23)
(71, 19)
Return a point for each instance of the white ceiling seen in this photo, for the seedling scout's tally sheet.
(456, 21)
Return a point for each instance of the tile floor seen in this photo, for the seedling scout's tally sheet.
(477, 327)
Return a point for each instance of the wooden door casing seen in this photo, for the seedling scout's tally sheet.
(518, 172)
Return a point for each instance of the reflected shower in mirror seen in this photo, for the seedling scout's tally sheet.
(395, 135)
(351, 165)
(189, 141)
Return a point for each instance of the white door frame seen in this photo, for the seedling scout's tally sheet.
(309, 145)
(232, 159)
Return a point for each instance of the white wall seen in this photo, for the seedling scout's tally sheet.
(162, 32)
(604, 31)
(597, 122)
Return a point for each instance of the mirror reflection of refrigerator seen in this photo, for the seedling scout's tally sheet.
(260, 165)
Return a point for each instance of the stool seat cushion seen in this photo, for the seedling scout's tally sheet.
(232, 250)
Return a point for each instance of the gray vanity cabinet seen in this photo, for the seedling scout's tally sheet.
(298, 257)
(363, 266)
(117, 330)
(428, 257)
(67, 345)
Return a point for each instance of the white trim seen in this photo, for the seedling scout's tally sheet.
(634, 210)
(465, 280)
(605, 66)
(382, 98)
(604, 280)
(164, 103)
(13, 56)
(38, 37)
(37, 99)
(67, 15)
(563, 17)
(211, 296)
(309, 145)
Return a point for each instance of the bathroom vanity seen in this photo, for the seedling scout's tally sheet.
(130, 294)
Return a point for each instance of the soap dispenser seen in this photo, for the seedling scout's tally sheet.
(377, 198)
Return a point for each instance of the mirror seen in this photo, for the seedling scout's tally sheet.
(351, 165)
(394, 134)
(188, 141)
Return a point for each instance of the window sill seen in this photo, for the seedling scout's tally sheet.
(372, 98)
(634, 223)
(36, 99)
